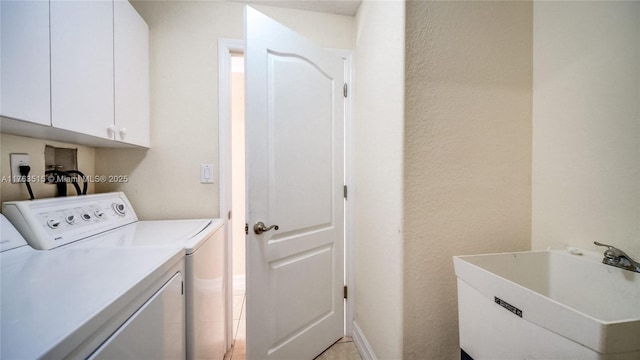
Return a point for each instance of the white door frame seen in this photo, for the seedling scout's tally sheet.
(225, 48)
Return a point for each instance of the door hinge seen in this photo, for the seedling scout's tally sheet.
(246, 229)
(182, 287)
(229, 215)
(345, 89)
(345, 191)
(345, 291)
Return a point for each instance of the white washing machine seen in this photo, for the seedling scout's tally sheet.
(108, 221)
(80, 303)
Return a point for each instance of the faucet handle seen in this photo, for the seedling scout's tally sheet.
(612, 252)
(616, 257)
(601, 244)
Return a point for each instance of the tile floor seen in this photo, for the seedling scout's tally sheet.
(238, 350)
(344, 349)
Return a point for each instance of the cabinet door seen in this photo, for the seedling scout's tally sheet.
(25, 87)
(82, 66)
(131, 46)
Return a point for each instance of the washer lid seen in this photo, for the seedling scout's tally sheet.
(10, 238)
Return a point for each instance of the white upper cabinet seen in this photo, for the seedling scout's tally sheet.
(24, 73)
(131, 61)
(78, 67)
(82, 66)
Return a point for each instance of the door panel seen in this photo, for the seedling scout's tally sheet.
(295, 314)
(301, 138)
(294, 131)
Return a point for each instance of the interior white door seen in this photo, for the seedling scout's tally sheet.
(294, 113)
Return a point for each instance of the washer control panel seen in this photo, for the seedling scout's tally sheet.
(49, 223)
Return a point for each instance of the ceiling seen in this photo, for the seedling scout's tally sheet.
(339, 7)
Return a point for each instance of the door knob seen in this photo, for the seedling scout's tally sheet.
(260, 227)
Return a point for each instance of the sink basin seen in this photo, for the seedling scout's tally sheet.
(547, 305)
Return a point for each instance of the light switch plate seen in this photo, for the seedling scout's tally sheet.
(17, 160)
(206, 173)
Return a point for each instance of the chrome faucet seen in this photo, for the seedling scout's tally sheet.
(618, 258)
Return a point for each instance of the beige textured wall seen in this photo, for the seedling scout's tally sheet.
(377, 189)
(467, 158)
(586, 125)
(325, 30)
(35, 148)
(165, 180)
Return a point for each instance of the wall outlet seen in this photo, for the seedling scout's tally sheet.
(17, 160)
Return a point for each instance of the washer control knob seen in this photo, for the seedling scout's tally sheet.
(119, 208)
(86, 216)
(53, 223)
(70, 219)
(98, 213)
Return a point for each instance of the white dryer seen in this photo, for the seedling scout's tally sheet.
(108, 221)
(79, 303)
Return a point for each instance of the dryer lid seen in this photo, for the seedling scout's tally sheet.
(190, 234)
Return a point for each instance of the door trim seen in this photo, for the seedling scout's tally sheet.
(225, 48)
(349, 254)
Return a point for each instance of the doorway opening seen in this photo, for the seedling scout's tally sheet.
(238, 201)
(233, 187)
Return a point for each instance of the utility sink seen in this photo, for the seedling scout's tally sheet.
(547, 305)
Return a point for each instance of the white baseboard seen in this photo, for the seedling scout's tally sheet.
(363, 346)
(239, 284)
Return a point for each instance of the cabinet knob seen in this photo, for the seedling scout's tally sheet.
(112, 130)
(123, 132)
